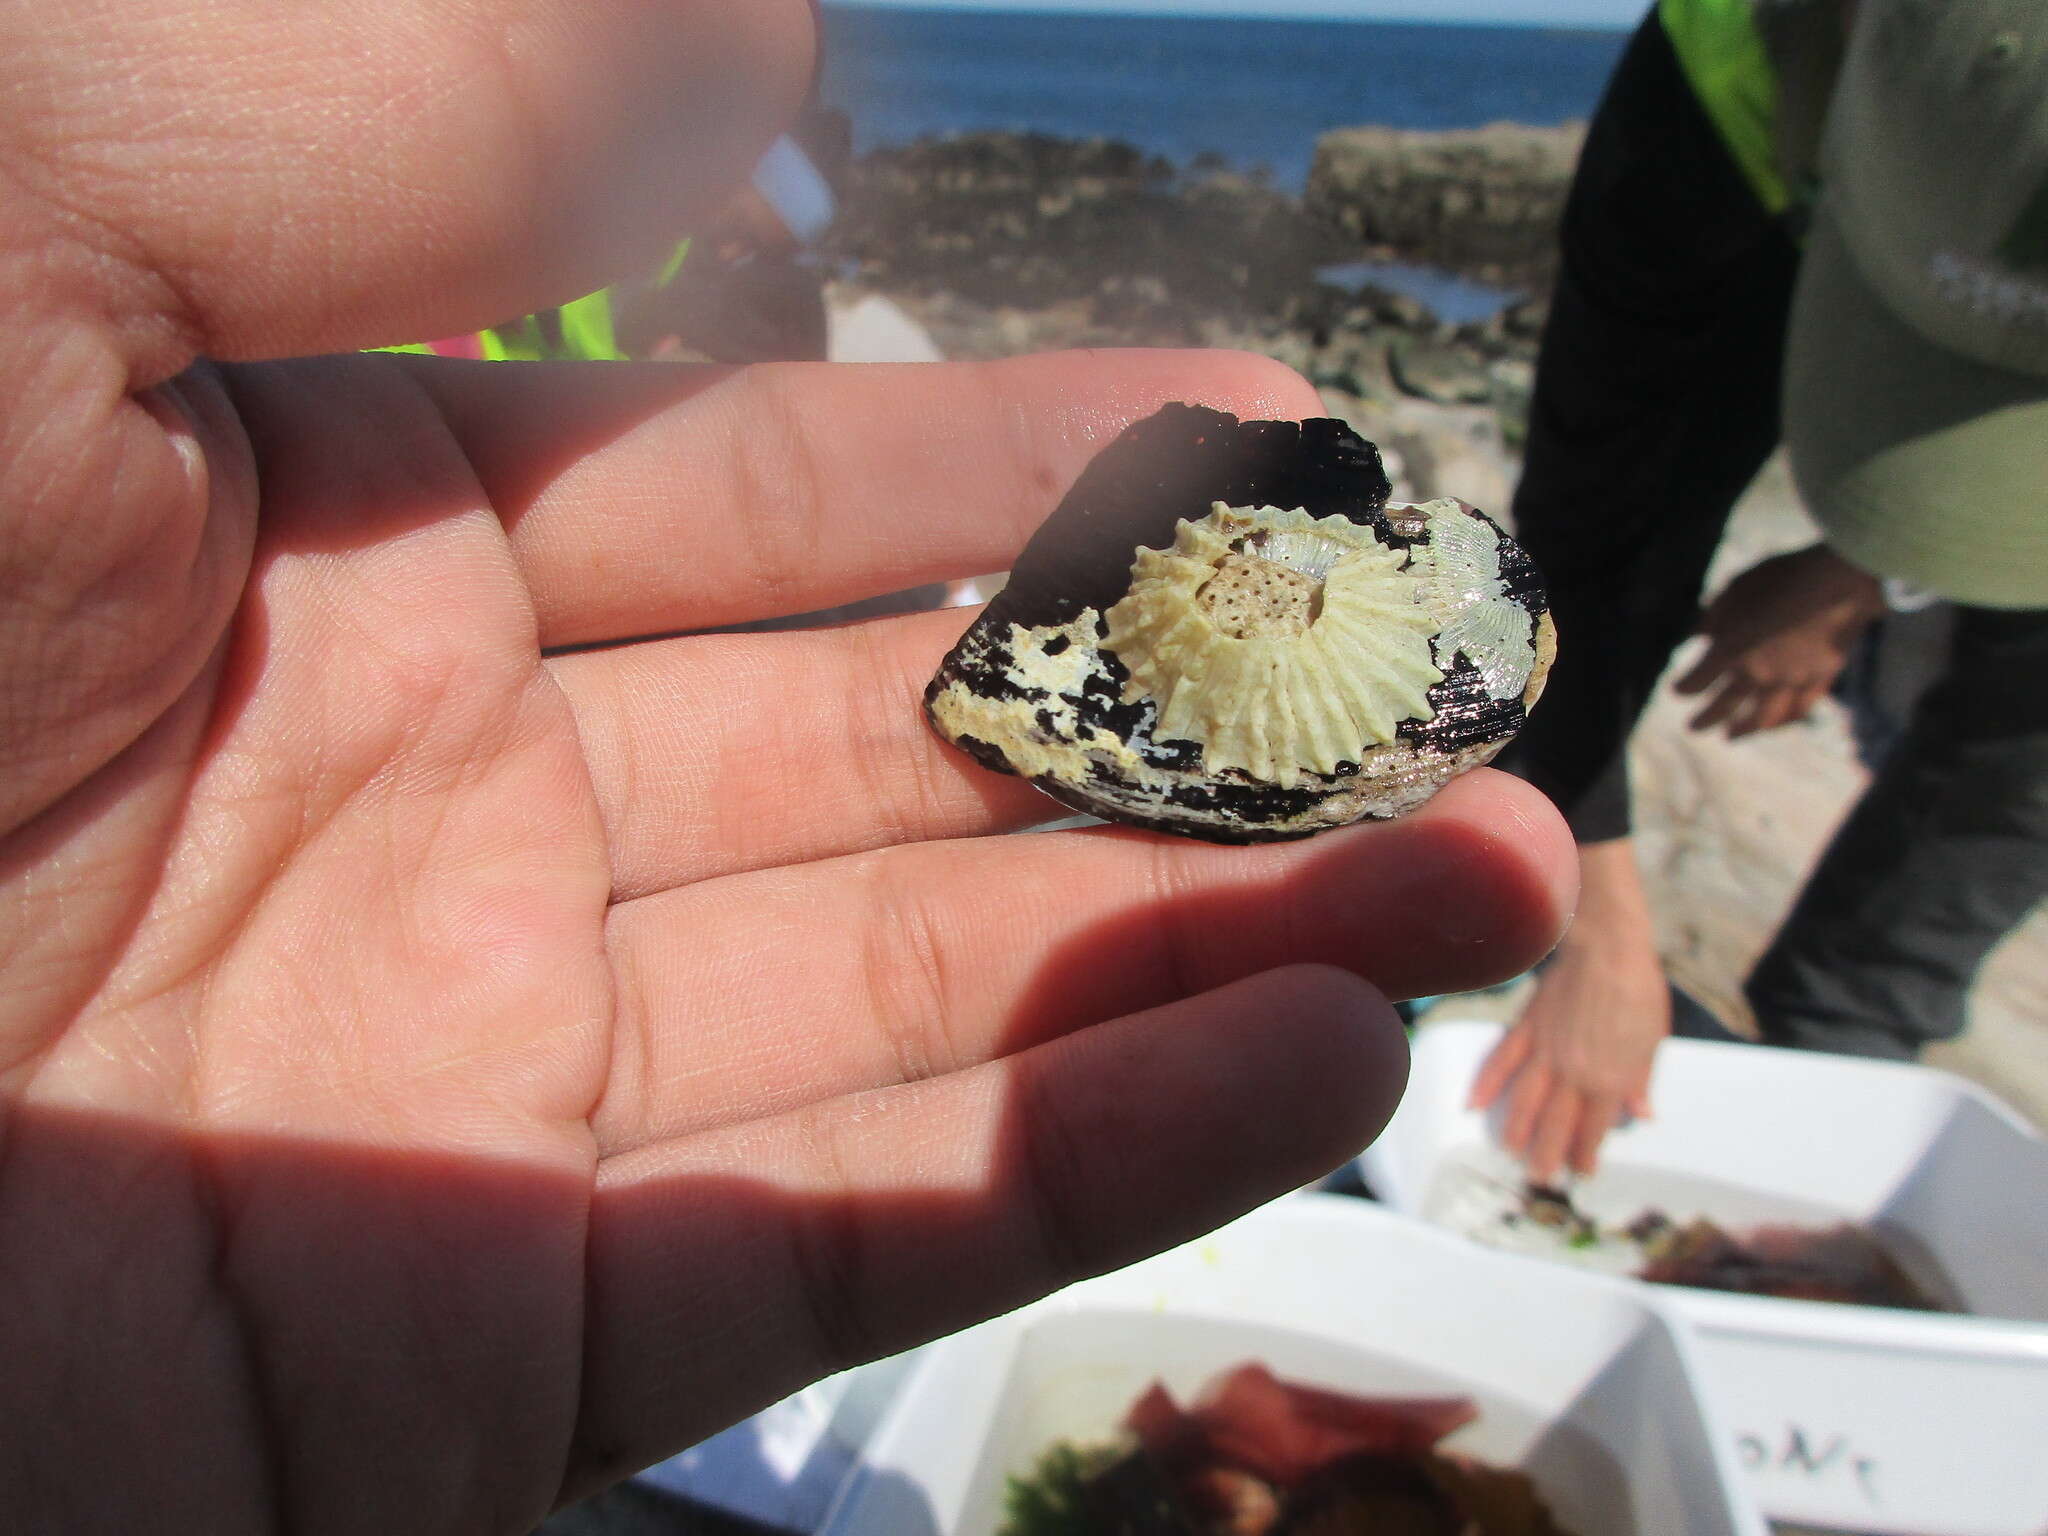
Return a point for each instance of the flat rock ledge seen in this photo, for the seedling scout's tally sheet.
(1483, 202)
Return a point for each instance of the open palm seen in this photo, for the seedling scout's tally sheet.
(451, 1056)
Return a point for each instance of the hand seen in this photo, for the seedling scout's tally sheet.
(1581, 1053)
(439, 1073)
(1780, 635)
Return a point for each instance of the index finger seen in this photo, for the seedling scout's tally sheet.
(1704, 672)
(1500, 1067)
(654, 498)
(466, 163)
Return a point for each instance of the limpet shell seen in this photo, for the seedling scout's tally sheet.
(1226, 631)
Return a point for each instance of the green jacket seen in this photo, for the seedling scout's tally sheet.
(1763, 70)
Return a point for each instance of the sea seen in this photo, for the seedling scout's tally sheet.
(1253, 92)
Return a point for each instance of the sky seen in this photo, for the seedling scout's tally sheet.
(1554, 13)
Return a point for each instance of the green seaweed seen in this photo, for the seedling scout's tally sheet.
(1051, 1500)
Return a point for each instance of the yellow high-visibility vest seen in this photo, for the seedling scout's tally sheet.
(580, 330)
(1724, 59)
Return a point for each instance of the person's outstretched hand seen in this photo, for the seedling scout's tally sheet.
(438, 1075)
(1778, 637)
(1580, 1055)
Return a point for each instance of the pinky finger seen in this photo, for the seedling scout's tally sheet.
(730, 1267)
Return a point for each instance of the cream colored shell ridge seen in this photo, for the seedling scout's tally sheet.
(1459, 569)
(1280, 643)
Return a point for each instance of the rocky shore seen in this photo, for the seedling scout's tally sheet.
(1484, 202)
(1007, 243)
(1001, 243)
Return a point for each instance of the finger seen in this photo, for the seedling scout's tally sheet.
(1501, 1066)
(1732, 698)
(730, 1268)
(1598, 1113)
(1532, 1090)
(1638, 1099)
(931, 958)
(1759, 705)
(466, 163)
(723, 753)
(1791, 703)
(1553, 1131)
(1770, 710)
(1707, 671)
(657, 498)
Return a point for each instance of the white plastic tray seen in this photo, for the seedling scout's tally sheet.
(1581, 1382)
(1857, 1417)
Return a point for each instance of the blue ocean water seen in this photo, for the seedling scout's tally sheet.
(1256, 92)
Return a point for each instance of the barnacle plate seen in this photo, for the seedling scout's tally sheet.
(1226, 631)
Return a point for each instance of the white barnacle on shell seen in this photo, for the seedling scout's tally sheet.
(1176, 652)
(1280, 643)
(1461, 584)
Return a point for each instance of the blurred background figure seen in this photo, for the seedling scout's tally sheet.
(1756, 202)
(746, 289)
(749, 289)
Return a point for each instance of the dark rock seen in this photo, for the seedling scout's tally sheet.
(1026, 219)
(1008, 242)
(1482, 202)
(1525, 321)
(1430, 370)
(1400, 311)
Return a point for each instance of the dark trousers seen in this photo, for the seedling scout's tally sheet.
(1943, 856)
(1656, 402)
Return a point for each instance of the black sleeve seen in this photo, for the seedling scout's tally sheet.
(1656, 401)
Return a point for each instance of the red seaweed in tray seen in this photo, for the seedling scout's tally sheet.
(1838, 1262)
(1841, 1263)
(1258, 1456)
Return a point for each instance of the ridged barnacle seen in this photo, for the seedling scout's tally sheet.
(1226, 631)
(1280, 643)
